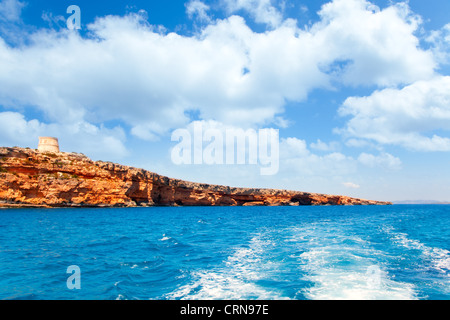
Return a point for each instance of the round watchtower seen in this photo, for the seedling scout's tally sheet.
(48, 144)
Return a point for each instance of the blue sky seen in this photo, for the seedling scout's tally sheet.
(359, 90)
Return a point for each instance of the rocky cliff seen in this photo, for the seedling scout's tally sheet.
(36, 179)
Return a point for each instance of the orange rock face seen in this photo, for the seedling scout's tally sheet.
(31, 178)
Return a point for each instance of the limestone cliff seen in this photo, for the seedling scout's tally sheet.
(38, 179)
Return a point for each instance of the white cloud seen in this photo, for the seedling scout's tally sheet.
(299, 167)
(371, 46)
(199, 9)
(12, 28)
(96, 142)
(15, 130)
(384, 160)
(298, 161)
(128, 70)
(54, 20)
(295, 159)
(440, 40)
(351, 185)
(261, 10)
(294, 148)
(322, 146)
(409, 117)
(11, 10)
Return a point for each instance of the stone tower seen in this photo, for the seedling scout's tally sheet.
(48, 144)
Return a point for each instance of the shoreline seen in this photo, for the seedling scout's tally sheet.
(30, 178)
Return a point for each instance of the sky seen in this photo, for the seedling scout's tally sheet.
(358, 90)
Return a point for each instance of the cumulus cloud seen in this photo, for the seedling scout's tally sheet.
(351, 185)
(14, 129)
(198, 9)
(300, 168)
(129, 71)
(410, 117)
(323, 146)
(298, 160)
(296, 157)
(262, 11)
(10, 10)
(12, 28)
(368, 45)
(384, 160)
(440, 41)
(97, 142)
(152, 82)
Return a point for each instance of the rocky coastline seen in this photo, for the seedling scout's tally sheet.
(29, 178)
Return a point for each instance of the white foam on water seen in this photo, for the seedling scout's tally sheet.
(164, 238)
(342, 266)
(235, 280)
(363, 281)
(221, 286)
(439, 258)
(434, 258)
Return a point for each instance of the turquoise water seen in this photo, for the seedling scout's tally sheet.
(361, 252)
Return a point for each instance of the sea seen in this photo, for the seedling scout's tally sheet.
(399, 252)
